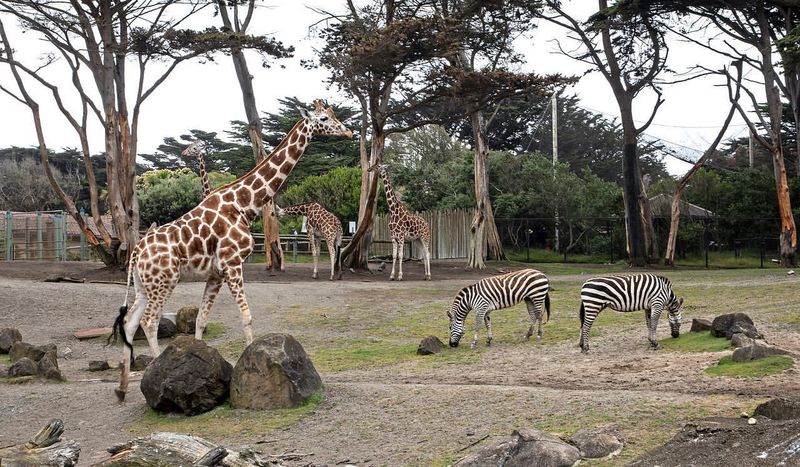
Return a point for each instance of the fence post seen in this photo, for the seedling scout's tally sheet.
(9, 236)
(294, 249)
(57, 235)
(83, 237)
(705, 238)
(39, 244)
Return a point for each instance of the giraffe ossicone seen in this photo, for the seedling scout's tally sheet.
(403, 225)
(321, 224)
(213, 240)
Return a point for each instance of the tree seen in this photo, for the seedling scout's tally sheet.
(221, 156)
(337, 190)
(165, 195)
(629, 53)
(25, 187)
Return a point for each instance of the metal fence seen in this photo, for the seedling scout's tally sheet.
(39, 235)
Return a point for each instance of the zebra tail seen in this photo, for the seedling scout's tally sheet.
(547, 305)
(583, 314)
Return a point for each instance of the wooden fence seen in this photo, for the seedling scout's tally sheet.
(449, 235)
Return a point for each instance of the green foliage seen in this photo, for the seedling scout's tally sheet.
(337, 190)
(752, 368)
(165, 195)
(696, 342)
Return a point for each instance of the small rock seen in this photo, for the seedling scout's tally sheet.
(22, 367)
(8, 336)
(700, 325)
(67, 352)
(140, 362)
(779, 409)
(166, 329)
(430, 345)
(729, 324)
(744, 415)
(755, 351)
(739, 339)
(47, 367)
(751, 421)
(99, 365)
(596, 444)
(186, 319)
(34, 352)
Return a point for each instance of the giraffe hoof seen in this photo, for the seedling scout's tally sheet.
(427, 278)
(120, 395)
(391, 278)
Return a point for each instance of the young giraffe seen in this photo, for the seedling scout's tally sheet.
(212, 239)
(197, 150)
(321, 224)
(404, 225)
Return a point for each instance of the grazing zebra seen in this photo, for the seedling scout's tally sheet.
(646, 292)
(498, 292)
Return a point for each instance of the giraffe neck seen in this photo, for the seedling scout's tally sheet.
(203, 175)
(395, 206)
(297, 209)
(266, 178)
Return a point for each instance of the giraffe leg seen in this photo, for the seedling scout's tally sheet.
(130, 324)
(426, 252)
(233, 277)
(400, 246)
(317, 252)
(312, 242)
(394, 258)
(213, 284)
(332, 252)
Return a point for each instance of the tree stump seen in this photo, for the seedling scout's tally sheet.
(44, 449)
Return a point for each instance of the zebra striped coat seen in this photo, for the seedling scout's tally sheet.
(498, 292)
(647, 292)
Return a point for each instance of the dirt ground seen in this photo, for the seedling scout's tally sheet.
(382, 404)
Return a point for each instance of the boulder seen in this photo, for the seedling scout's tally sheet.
(186, 319)
(542, 450)
(273, 372)
(700, 325)
(755, 351)
(740, 340)
(596, 444)
(99, 365)
(166, 329)
(779, 409)
(729, 324)
(34, 352)
(430, 345)
(491, 455)
(188, 377)
(8, 336)
(22, 367)
(47, 367)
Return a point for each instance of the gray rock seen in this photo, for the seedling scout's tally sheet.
(188, 377)
(741, 340)
(596, 444)
(779, 409)
(700, 325)
(755, 351)
(8, 336)
(22, 367)
(34, 352)
(47, 367)
(273, 372)
(491, 455)
(186, 319)
(99, 365)
(537, 448)
(166, 329)
(141, 361)
(430, 345)
(729, 324)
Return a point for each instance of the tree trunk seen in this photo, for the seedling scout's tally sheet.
(650, 240)
(483, 232)
(44, 449)
(631, 184)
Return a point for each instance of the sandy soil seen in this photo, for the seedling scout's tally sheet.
(401, 414)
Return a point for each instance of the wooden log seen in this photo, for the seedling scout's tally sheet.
(44, 449)
(165, 448)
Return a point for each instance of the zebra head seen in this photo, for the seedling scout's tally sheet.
(674, 315)
(457, 314)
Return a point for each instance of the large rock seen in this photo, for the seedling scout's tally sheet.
(430, 345)
(491, 455)
(186, 319)
(525, 448)
(99, 365)
(596, 444)
(755, 351)
(166, 329)
(700, 325)
(731, 323)
(779, 409)
(273, 372)
(188, 377)
(22, 367)
(34, 352)
(740, 340)
(47, 367)
(8, 336)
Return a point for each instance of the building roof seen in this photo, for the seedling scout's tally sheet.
(661, 206)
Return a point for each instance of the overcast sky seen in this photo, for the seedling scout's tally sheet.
(206, 96)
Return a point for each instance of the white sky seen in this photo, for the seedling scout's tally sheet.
(206, 96)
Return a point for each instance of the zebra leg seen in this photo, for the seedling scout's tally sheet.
(535, 312)
(652, 325)
(488, 322)
(588, 318)
(479, 317)
(394, 258)
(400, 246)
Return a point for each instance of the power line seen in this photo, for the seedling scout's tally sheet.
(659, 124)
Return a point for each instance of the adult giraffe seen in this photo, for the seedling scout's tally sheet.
(198, 150)
(212, 239)
(404, 225)
(320, 223)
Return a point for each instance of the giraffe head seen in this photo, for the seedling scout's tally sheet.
(195, 149)
(279, 211)
(382, 169)
(324, 122)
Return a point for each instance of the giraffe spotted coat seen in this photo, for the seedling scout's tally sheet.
(320, 224)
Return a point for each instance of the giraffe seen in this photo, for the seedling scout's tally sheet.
(197, 150)
(404, 225)
(321, 224)
(213, 239)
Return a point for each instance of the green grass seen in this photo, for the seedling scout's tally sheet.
(750, 369)
(17, 379)
(225, 422)
(214, 330)
(788, 318)
(5, 359)
(696, 342)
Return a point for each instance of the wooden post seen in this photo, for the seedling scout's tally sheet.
(39, 244)
(83, 237)
(9, 236)
(554, 107)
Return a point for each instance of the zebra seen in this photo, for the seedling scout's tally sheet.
(497, 292)
(647, 292)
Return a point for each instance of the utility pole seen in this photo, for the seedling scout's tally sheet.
(554, 106)
(750, 147)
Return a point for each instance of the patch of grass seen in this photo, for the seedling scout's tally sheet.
(750, 369)
(17, 379)
(226, 422)
(696, 342)
(5, 359)
(232, 348)
(354, 354)
(788, 318)
(214, 330)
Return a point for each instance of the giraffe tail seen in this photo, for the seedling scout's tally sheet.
(547, 305)
(119, 324)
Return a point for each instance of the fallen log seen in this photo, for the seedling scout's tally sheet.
(44, 449)
(164, 448)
